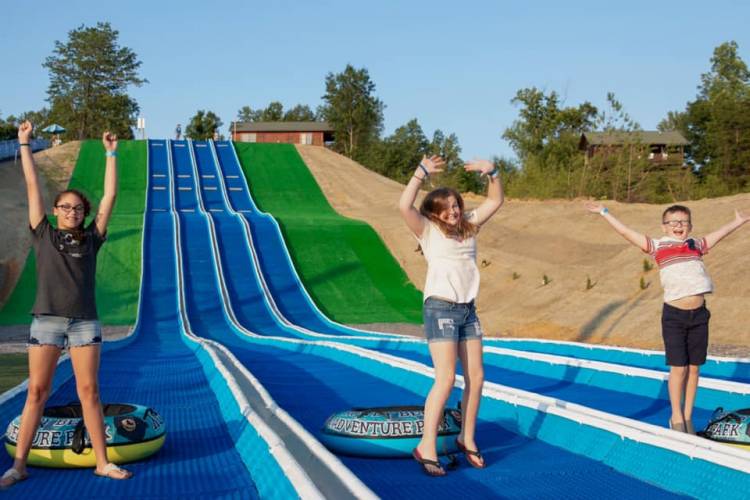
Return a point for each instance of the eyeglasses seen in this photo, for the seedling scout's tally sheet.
(67, 208)
(676, 223)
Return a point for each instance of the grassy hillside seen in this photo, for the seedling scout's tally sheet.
(344, 264)
(119, 261)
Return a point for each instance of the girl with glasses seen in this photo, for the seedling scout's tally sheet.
(65, 307)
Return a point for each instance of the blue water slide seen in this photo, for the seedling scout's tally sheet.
(312, 379)
(292, 300)
(158, 367)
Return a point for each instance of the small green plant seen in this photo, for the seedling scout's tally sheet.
(644, 284)
(590, 284)
(647, 265)
(516, 275)
(546, 280)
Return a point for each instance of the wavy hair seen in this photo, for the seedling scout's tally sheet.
(436, 202)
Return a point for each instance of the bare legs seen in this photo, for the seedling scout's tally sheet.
(470, 353)
(86, 368)
(444, 356)
(42, 364)
(683, 386)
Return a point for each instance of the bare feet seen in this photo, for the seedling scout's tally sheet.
(11, 477)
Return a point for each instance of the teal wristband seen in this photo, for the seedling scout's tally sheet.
(424, 169)
(111, 154)
(494, 173)
(25, 144)
(604, 210)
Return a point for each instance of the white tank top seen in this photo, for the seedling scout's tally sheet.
(452, 271)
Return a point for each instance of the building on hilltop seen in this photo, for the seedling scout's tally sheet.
(662, 148)
(316, 133)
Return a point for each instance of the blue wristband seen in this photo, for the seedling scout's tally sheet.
(604, 210)
(424, 169)
(494, 173)
(111, 154)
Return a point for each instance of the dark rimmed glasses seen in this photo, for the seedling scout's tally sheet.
(65, 207)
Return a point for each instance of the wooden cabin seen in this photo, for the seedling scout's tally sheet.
(315, 133)
(663, 148)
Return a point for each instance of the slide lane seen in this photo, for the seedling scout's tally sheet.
(307, 369)
(726, 368)
(271, 254)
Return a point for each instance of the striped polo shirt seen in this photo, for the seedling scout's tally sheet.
(681, 267)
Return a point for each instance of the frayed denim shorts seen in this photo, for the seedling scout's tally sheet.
(62, 332)
(446, 321)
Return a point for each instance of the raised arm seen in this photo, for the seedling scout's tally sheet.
(495, 196)
(633, 237)
(727, 229)
(33, 191)
(411, 215)
(110, 183)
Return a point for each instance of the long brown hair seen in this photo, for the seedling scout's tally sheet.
(436, 201)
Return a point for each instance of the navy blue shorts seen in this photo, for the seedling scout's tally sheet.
(685, 334)
(446, 321)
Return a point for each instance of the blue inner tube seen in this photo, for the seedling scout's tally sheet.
(390, 431)
(731, 427)
(133, 432)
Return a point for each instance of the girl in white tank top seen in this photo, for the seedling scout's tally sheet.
(447, 237)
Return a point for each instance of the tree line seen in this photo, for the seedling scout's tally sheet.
(90, 75)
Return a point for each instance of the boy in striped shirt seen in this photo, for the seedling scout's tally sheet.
(685, 282)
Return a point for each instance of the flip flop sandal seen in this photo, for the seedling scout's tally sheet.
(111, 468)
(425, 462)
(11, 477)
(471, 453)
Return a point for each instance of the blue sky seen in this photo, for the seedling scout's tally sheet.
(452, 65)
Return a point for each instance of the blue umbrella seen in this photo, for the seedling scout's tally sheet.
(53, 129)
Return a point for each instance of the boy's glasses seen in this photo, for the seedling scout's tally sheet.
(676, 223)
(67, 208)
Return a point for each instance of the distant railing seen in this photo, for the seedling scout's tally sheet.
(9, 149)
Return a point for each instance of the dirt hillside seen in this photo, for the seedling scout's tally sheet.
(527, 240)
(55, 166)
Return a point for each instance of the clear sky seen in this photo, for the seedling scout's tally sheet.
(452, 65)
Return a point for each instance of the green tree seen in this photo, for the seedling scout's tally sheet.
(545, 138)
(352, 109)
(247, 114)
(401, 152)
(203, 125)
(300, 113)
(89, 78)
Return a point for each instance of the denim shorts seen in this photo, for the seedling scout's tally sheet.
(62, 332)
(446, 321)
(685, 334)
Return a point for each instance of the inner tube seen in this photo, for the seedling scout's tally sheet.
(390, 431)
(133, 432)
(730, 427)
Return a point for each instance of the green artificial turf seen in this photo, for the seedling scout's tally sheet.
(343, 263)
(119, 261)
(14, 369)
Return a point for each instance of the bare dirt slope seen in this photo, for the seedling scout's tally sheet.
(559, 239)
(55, 166)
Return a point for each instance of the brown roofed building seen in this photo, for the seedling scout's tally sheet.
(664, 148)
(316, 133)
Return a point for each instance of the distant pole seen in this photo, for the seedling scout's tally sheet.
(142, 126)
